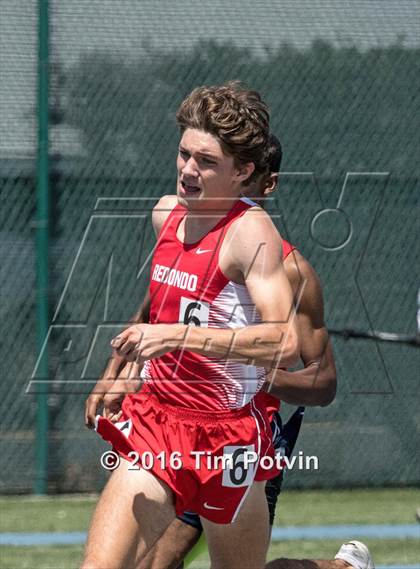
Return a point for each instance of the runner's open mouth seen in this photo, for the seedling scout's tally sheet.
(189, 189)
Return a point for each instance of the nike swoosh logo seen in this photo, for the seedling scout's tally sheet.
(211, 507)
(201, 251)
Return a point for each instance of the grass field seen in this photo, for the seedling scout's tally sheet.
(393, 506)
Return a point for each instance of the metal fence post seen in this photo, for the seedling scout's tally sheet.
(42, 236)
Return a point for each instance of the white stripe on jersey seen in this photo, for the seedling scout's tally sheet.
(234, 308)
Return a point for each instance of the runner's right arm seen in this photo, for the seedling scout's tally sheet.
(113, 372)
(115, 368)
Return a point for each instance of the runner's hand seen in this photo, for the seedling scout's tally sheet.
(142, 342)
(94, 402)
(128, 381)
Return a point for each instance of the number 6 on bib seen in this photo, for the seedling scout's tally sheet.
(194, 312)
(240, 466)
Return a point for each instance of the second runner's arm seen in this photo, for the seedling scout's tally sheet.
(316, 383)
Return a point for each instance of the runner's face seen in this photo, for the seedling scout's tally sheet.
(207, 176)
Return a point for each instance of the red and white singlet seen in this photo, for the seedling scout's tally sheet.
(187, 286)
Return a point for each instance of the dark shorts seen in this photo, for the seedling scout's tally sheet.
(284, 440)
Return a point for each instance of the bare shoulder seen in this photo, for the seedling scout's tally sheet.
(256, 227)
(252, 242)
(162, 210)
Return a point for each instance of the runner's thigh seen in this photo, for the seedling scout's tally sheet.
(133, 511)
(243, 544)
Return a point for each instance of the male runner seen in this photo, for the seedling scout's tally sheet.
(314, 385)
(216, 324)
(184, 532)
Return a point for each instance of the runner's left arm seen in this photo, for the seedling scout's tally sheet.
(256, 263)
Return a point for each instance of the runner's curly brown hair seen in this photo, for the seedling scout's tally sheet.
(237, 116)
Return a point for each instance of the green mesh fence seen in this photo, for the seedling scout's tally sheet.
(343, 88)
(17, 247)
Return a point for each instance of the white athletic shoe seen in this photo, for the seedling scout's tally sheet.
(356, 554)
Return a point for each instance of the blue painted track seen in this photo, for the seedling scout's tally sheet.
(416, 566)
(53, 538)
(409, 531)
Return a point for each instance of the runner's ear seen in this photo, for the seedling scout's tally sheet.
(244, 171)
(271, 184)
